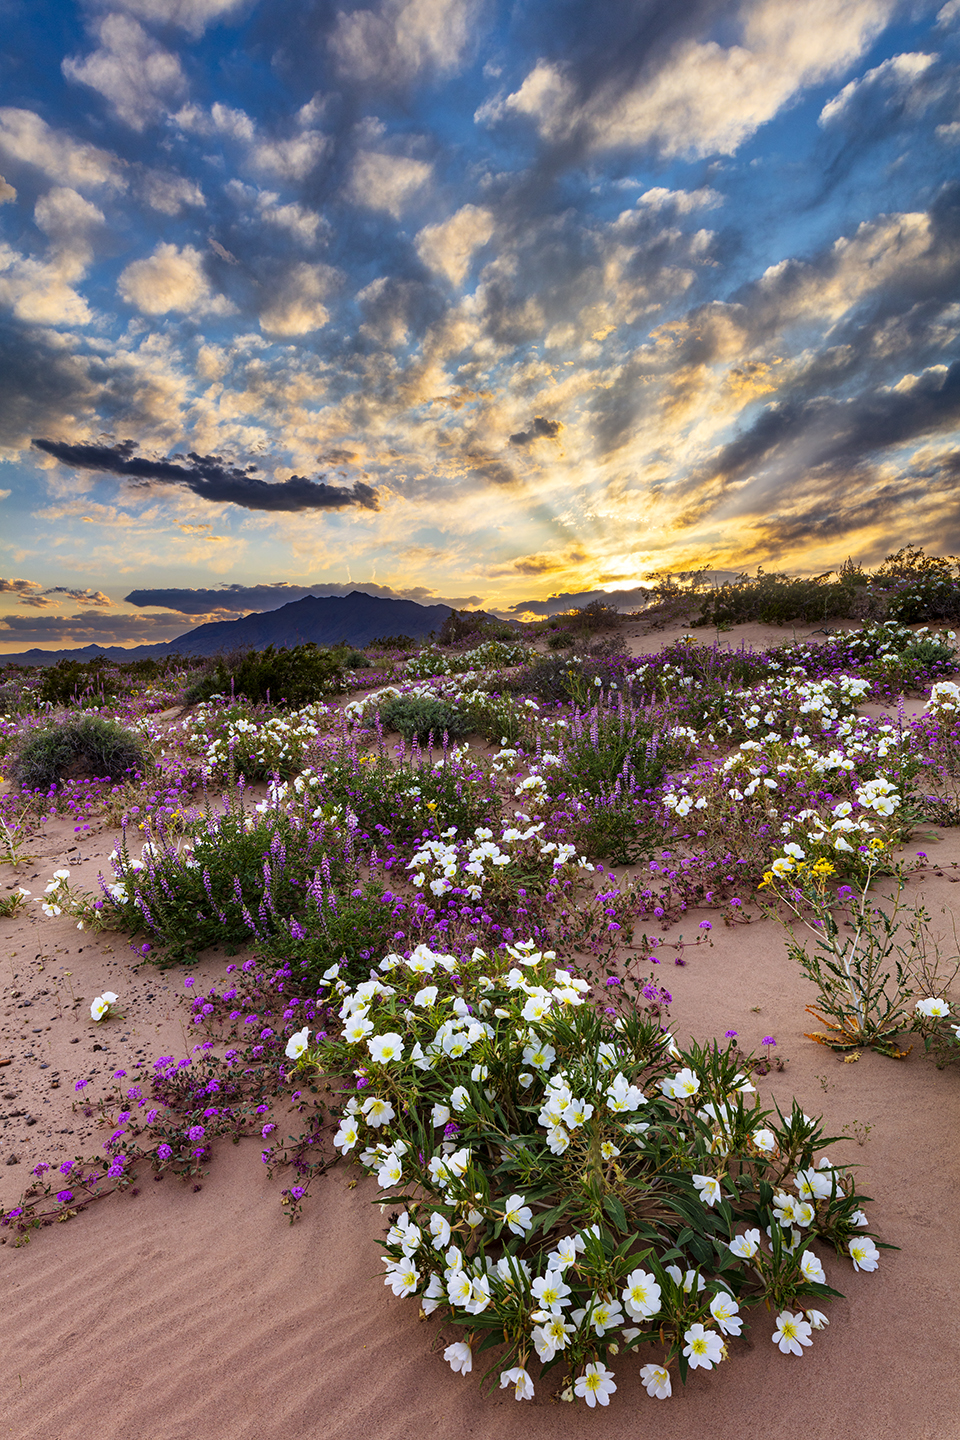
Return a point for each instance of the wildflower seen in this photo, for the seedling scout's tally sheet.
(551, 1291)
(641, 1296)
(726, 1312)
(864, 1253)
(520, 1380)
(703, 1349)
(595, 1385)
(817, 1319)
(297, 1044)
(708, 1188)
(933, 1008)
(384, 1048)
(402, 1277)
(459, 1357)
(101, 1004)
(656, 1381)
(792, 1333)
(517, 1216)
(746, 1245)
(680, 1086)
(378, 1112)
(812, 1269)
(551, 1337)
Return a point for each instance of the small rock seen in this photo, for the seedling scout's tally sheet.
(13, 1159)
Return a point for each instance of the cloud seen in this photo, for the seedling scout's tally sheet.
(171, 279)
(695, 97)
(39, 292)
(26, 139)
(194, 16)
(241, 599)
(211, 478)
(539, 429)
(133, 73)
(386, 182)
(296, 305)
(449, 246)
(402, 39)
(896, 78)
(290, 159)
(169, 193)
(81, 597)
(19, 587)
(7, 192)
(89, 628)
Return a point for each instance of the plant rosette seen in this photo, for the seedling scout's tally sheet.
(567, 1186)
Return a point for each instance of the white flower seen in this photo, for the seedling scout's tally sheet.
(297, 1044)
(378, 1112)
(520, 1380)
(595, 1385)
(656, 1381)
(681, 1085)
(764, 1140)
(459, 1098)
(746, 1245)
(551, 1337)
(517, 1216)
(402, 1277)
(440, 1230)
(708, 1188)
(347, 1135)
(551, 1291)
(440, 1114)
(817, 1319)
(864, 1253)
(101, 1004)
(459, 1358)
(933, 1008)
(703, 1349)
(811, 1268)
(641, 1295)
(792, 1333)
(384, 1048)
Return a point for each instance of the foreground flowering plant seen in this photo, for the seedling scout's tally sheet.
(566, 1185)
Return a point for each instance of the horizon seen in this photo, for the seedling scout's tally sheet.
(487, 304)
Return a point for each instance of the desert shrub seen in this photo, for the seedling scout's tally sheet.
(778, 599)
(406, 798)
(71, 680)
(297, 676)
(90, 745)
(571, 1187)
(417, 717)
(393, 642)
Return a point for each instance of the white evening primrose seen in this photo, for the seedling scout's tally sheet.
(746, 1245)
(817, 1319)
(347, 1135)
(864, 1253)
(765, 1140)
(551, 1291)
(297, 1044)
(518, 1217)
(595, 1385)
(703, 1348)
(641, 1295)
(101, 1005)
(792, 1333)
(811, 1268)
(656, 1381)
(357, 1029)
(726, 1312)
(680, 1086)
(520, 1380)
(459, 1357)
(377, 1112)
(933, 1008)
(384, 1048)
(402, 1277)
(708, 1188)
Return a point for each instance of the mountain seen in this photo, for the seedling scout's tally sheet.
(353, 619)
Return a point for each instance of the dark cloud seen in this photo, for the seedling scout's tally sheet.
(540, 429)
(82, 597)
(240, 599)
(212, 478)
(17, 587)
(89, 628)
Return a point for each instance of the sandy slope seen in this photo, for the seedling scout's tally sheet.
(173, 1314)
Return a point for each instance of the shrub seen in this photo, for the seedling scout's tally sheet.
(571, 1187)
(89, 746)
(72, 680)
(281, 677)
(416, 717)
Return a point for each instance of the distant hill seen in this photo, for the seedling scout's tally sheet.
(353, 619)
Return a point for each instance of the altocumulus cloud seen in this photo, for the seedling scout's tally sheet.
(210, 477)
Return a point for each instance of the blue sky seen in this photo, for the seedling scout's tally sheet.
(466, 301)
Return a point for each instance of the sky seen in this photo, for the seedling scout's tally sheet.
(466, 301)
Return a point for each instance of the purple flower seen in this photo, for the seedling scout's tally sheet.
(151, 1116)
(705, 925)
(66, 1167)
(196, 1133)
(768, 1040)
(190, 982)
(164, 1152)
(262, 1109)
(613, 980)
(116, 1168)
(64, 1196)
(80, 1084)
(297, 1192)
(119, 1074)
(267, 1130)
(730, 1034)
(41, 1169)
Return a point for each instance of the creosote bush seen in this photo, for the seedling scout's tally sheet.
(87, 746)
(283, 677)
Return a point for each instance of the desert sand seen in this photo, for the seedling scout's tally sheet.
(172, 1313)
